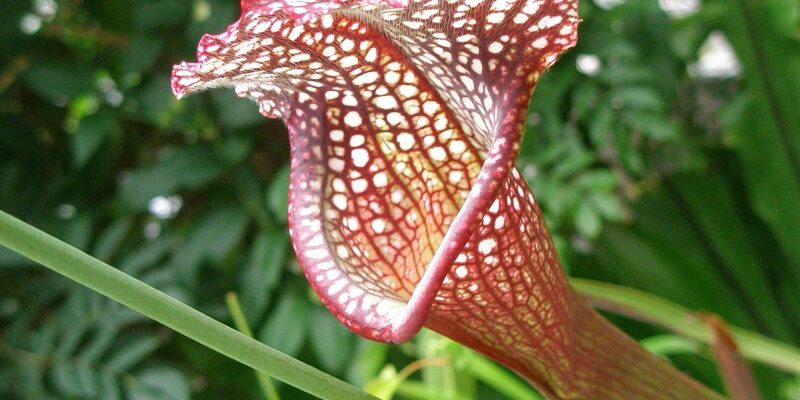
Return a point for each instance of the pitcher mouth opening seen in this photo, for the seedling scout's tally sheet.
(404, 126)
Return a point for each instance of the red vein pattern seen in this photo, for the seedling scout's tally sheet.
(405, 208)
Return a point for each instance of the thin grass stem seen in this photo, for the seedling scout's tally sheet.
(116, 285)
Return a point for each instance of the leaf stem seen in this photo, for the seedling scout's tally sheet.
(240, 322)
(108, 281)
(649, 308)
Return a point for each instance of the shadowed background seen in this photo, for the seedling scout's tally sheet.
(664, 150)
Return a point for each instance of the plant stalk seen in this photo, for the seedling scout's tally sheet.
(110, 282)
(655, 310)
(240, 322)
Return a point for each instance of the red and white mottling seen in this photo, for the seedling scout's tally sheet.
(405, 122)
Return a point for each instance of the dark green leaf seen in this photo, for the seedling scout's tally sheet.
(330, 340)
(60, 83)
(91, 133)
(262, 272)
(185, 168)
(159, 383)
(288, 324)
(132, 353)
(109, 241)
(278, 195)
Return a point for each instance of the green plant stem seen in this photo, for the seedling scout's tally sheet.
(649, 308)
(671, 344)
(108, 281)
(417, 391)
(240, 322)
(499, 378)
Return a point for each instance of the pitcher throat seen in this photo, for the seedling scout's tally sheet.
(584, 357)
(608, 364)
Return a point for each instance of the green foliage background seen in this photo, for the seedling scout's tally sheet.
(685, 186)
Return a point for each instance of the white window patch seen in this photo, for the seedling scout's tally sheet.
(405, 140)
(380, 179)
(336, 164)
(378, 225)
(486, 246)
(337, 286)
(360, 157)
(359, 185)
(352, 119)
(339, 201)
(386, 102)
(438, 154)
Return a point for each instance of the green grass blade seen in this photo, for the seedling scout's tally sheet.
(240, 322)
(108, 281)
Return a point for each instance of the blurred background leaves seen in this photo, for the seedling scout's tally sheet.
(664, 149)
